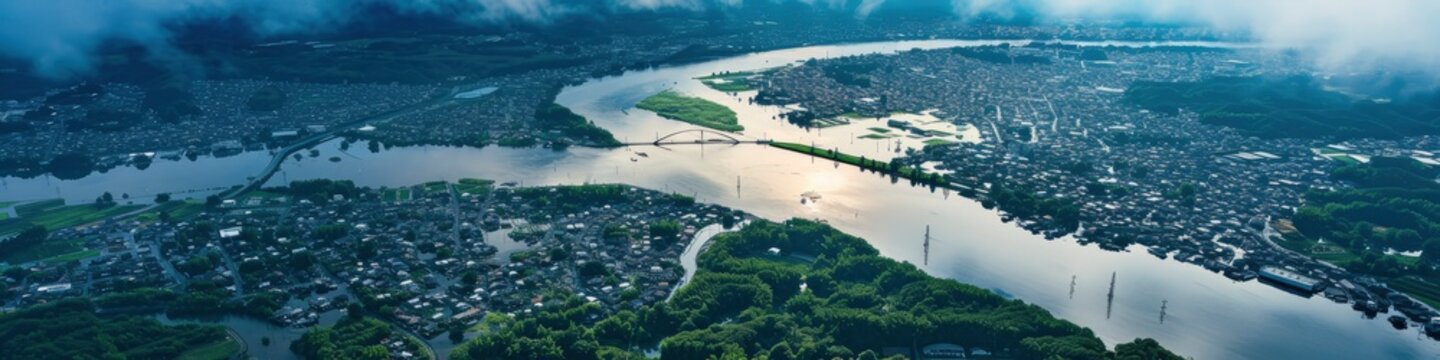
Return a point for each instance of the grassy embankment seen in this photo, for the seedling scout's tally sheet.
(219, 350)
(474, 187)
(729, 81)
(53, 251)
(940, 142)
(736, 81)
(396, 195)
(464, 187)
(1424, 291)
(435, 187)
(177, 210)
(676, 106)
(54, 214)
(911, 173)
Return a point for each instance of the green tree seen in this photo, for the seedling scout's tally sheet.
(868, 355)
(196, 265)
(1144, 349)
(457, 334)
(593, 269)
(664, 233)
(469, 278)
(1431, 254)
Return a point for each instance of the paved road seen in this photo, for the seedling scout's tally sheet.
(697, 244)
(234, 271)
(164, 263)
(332, 133)
(454, 212)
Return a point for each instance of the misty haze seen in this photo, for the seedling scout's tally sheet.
(719, 179)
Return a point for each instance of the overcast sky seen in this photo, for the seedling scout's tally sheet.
(59, 37)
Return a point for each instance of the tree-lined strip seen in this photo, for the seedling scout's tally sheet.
(907, 172)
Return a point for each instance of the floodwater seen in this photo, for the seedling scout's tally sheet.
(252, 332)
(504, 245)
(692, 251)
(1208, 316)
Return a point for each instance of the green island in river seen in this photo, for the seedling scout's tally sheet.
(735, 81)
(673, 105)
(729, 81)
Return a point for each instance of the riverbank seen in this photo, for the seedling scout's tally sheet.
(837, 290)
(55, 214)
(907, 172)
(697, 246)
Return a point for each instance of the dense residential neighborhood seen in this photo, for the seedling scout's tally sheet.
(430, 258)
(105, 125)
(1064, 152)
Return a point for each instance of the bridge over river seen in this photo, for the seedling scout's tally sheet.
(674, 138)
(335, 131)
(678, 138)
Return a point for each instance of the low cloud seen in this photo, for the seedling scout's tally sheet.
(59, 37)
(1391, 35)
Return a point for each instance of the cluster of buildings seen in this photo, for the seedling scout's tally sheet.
(1060, 129)
(225, 123)
(430, 258)
(505, 116)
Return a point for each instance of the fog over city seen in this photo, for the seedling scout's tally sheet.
(1339, 34)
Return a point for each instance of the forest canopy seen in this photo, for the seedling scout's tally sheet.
(825, 295)
(1290, 107)
(71, 330)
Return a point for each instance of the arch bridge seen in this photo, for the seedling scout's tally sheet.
(715, 137)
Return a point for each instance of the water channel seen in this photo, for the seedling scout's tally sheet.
(1208, 316)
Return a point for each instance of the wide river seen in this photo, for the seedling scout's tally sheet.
(1208, 316)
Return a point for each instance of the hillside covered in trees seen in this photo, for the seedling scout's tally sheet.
(824, 295)
(1292, 107)
(1395, 205)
